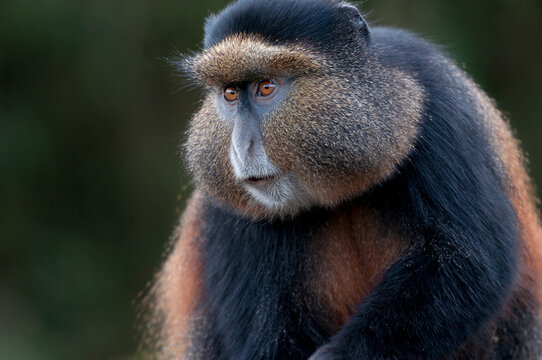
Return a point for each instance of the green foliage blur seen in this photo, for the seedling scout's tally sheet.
(90, 122)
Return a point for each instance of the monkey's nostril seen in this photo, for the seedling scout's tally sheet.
(244, 148)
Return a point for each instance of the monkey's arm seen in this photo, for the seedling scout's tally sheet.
(456, 275)
(178, 286)
(428, 303)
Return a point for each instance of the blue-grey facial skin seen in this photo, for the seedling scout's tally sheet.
(248, 112)
(246, 115)
(253, 170)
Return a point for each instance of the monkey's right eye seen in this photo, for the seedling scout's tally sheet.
(230, 94)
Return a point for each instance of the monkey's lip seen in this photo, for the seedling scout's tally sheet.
(261, 181)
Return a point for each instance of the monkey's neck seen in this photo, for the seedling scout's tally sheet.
(268, 282)
(254, 285)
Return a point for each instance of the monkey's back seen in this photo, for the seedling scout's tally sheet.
(517, 332)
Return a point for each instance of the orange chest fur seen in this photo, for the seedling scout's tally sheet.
(351, 252)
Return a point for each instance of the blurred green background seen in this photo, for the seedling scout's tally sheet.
(90, 121)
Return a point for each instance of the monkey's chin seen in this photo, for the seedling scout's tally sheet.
(281, 196)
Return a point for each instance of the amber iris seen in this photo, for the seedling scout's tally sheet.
(230, 93)
(266, 88)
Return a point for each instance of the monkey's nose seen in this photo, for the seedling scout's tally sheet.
(242, 150)
(244, 139)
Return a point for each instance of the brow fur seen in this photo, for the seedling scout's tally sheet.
(243, 57)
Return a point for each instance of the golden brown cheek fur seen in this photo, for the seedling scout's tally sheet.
(351, 253)
(207, 151)
(207, 155)
(335, 134)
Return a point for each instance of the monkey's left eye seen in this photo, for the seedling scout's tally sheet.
(266, 88)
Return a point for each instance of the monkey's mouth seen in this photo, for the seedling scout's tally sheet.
(260, 180)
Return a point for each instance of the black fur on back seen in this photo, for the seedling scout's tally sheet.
(451, 200)
(320, 22)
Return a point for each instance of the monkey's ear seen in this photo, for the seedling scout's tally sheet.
(356, 20)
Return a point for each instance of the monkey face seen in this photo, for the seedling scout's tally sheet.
(229, 139)
(283, 129)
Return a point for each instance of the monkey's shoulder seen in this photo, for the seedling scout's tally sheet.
(412, 54)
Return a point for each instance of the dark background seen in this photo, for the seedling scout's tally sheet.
(90, 121)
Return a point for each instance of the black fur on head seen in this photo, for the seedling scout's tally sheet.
(319, 22)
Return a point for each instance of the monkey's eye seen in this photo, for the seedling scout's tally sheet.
(266, 88)
(231, 94)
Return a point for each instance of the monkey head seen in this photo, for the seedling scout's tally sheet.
(296, 118)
